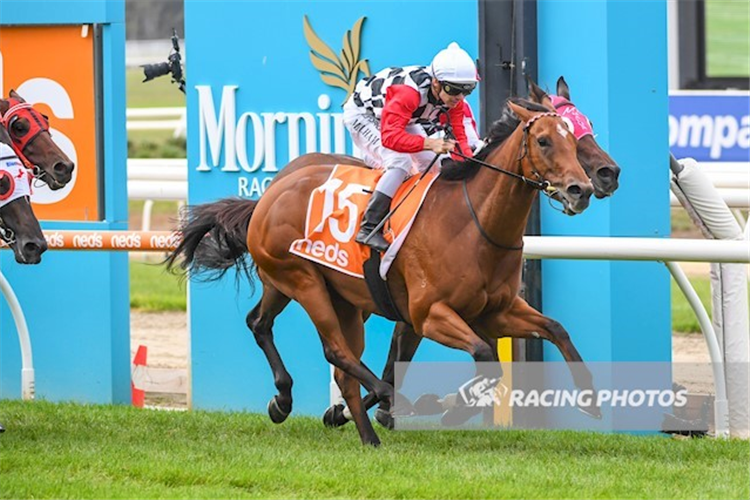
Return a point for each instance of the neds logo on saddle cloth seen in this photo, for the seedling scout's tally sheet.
(334, 214)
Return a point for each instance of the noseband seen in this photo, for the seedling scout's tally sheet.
(542, 185)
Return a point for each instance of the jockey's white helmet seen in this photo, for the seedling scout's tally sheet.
(453, 64)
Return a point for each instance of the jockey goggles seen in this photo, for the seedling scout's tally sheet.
(454, 89)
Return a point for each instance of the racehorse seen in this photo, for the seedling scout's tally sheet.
(599, 166)
(19, 227)
(25, 132)
(32, 142)
(502, 183)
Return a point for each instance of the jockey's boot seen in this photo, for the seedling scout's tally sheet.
(377, 209)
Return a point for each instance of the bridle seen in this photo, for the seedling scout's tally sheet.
(542, 184)
(7, 235)
(38, 124)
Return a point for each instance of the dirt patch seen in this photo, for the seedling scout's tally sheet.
(165, 336)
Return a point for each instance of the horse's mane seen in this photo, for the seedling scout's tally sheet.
(499, 131)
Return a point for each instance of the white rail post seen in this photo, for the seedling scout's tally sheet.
(27, 364)
(721, 405)
(710, 213)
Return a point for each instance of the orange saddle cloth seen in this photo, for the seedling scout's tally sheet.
(334, 213)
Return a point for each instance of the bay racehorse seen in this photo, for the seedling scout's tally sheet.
(32, 142)
(25, 143)
(599, 166)
(19, 227)
(446, 300)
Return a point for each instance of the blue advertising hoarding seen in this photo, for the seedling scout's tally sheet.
(614, 310)
(710, 126)
(255, 101)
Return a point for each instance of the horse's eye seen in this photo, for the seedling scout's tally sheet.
(543, 142)
(20, 128)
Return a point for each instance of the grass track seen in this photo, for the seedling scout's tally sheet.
(727, 41)
(73, 451)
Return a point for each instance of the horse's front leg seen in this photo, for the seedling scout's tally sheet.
(444, 325)
(523, 321)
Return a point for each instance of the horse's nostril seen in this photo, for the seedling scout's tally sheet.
(608, 173)
(575, 191)
(31, 248)
(63, 168)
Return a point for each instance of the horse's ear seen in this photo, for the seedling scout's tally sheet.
(522, 113)
(562, 88)
(15, 95)
(535, 92)
(539, 96)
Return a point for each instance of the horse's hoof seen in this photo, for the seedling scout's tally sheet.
(334, 416)
(374, 442)
(384, 418)
(428, 404)
(402, 406)
(459, 415)
(275, 411)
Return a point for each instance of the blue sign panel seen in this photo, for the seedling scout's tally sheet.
(710, 126)
(614, 311)
(266, 90)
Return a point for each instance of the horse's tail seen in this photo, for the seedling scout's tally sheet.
(214, 240)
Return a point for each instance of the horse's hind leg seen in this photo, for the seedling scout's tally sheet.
(404, 344)
(260, 322)
(351, 323)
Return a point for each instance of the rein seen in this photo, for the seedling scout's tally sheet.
(543, 185)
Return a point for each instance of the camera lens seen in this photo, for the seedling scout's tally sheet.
(155, 70)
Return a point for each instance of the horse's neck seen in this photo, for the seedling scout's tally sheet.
(4, 137)
(503, 202)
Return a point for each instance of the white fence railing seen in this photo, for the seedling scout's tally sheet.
(166, 179)
(157, 119)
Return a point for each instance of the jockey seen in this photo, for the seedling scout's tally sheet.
(391, 116)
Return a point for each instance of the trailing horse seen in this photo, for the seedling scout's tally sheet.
(445, 299)
(19, 227)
